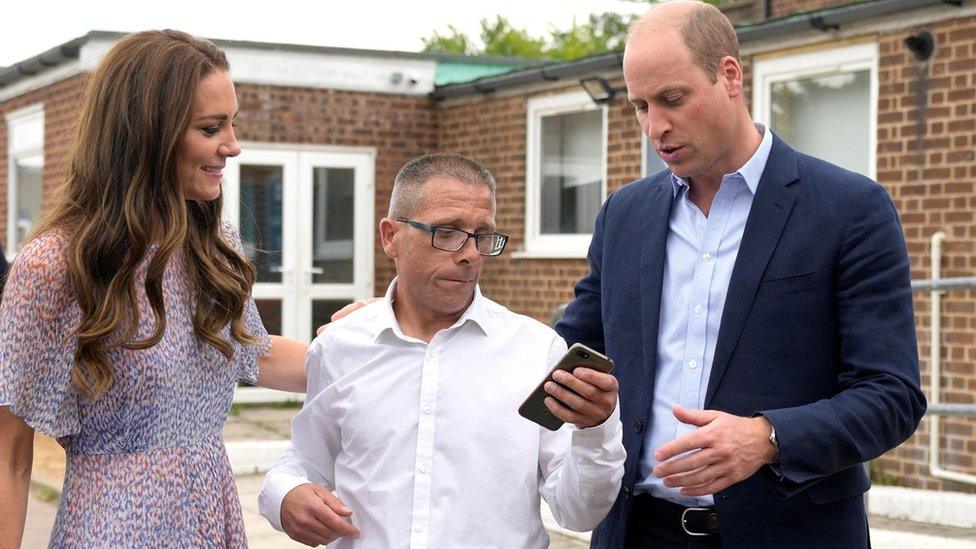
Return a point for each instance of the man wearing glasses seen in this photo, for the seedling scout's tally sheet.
(411, 415)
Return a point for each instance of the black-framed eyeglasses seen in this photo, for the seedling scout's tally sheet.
(452, 240)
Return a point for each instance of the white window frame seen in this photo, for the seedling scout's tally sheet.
(567, 245)
(27, 115)
(647, 152)
(844, 59)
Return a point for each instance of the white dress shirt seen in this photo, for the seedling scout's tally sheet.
(424, 441)
(701, 254)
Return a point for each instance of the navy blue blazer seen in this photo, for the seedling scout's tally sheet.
(818, 335)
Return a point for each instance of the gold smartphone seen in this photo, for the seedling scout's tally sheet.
(534, 407)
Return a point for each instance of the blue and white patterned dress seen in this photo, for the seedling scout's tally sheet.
(146, 465)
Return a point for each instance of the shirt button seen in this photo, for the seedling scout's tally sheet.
(699, 309)
(692, 364)
(422, 468)
(418, 528)
(427, 408)
(707, 257)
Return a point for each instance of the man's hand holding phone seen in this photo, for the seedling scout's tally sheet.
(583, 397)
(578, 390)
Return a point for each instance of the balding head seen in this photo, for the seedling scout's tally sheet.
(705, 31)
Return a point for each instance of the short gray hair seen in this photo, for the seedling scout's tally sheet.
(408, 187)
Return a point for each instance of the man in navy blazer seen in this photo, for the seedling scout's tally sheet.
(758, 306)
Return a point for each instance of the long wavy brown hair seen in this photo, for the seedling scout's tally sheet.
(123, 193)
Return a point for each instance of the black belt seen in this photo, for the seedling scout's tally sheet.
(691, 521)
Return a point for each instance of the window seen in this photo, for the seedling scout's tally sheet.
(651, 163)
(566, 179)
(25, 154)
(823, 103)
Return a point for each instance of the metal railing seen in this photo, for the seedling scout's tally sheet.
(937, 286)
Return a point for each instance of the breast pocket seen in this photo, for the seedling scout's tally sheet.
(788, 284)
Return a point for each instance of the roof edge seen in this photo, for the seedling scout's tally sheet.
(70, 50)
(824, 20)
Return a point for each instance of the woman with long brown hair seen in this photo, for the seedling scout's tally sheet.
(128, 318)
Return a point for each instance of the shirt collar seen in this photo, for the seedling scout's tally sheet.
(476, 313)
(751, 172)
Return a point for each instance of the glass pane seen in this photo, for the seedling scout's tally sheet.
(27, 133)
(322, 310)
(827, 117)
(261, 219)
(653, 162)
(29, 173)
(572, 171)
(333, 218)
(270, 311)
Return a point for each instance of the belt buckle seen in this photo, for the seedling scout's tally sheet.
(684, 521)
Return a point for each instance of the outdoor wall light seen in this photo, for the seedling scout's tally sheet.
(599, 90)
(921, 45)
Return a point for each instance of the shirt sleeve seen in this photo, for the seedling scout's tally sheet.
(37, 318)
(581, 469)
(246, 359)
(315, 441)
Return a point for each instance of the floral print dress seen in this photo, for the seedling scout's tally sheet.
(146, 465)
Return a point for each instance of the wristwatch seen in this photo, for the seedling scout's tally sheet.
(774, 442)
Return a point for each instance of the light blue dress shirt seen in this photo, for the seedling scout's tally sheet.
(701, 252)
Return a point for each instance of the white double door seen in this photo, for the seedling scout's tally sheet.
(306, 221)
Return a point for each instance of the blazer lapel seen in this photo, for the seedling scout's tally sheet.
(657, 215)
(771, 208)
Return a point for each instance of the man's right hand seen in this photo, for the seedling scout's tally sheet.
(354, 306)
(310, 514)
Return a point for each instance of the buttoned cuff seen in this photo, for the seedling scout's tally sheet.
(598, 434)
(276, 487)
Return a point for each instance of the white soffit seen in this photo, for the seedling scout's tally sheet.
(274, 67)
(879, 25)
(331, 71)
(89, 55)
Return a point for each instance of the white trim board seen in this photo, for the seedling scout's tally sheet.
(538, 245)
(381, 74)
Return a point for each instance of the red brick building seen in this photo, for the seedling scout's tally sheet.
(324, 131)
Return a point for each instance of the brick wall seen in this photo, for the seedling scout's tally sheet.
(783, 8)
(933, 190)
(398, 127)
(939, 195)
(493, 131)
(752, 11)
(61, 102)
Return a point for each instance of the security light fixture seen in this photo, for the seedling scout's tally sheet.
(921, 45)
(599, 90)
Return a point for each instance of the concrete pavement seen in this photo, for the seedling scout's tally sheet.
(264, 425)
(885, 533)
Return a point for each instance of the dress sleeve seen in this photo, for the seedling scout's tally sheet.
(37, 319)
(246, 357)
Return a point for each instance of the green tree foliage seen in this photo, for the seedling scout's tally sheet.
(455, 42)
(601, 33)
(500, 38)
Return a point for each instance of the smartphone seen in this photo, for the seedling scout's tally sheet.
(534, 407)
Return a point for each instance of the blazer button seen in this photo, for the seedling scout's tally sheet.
(639, 425)
(626, 492)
